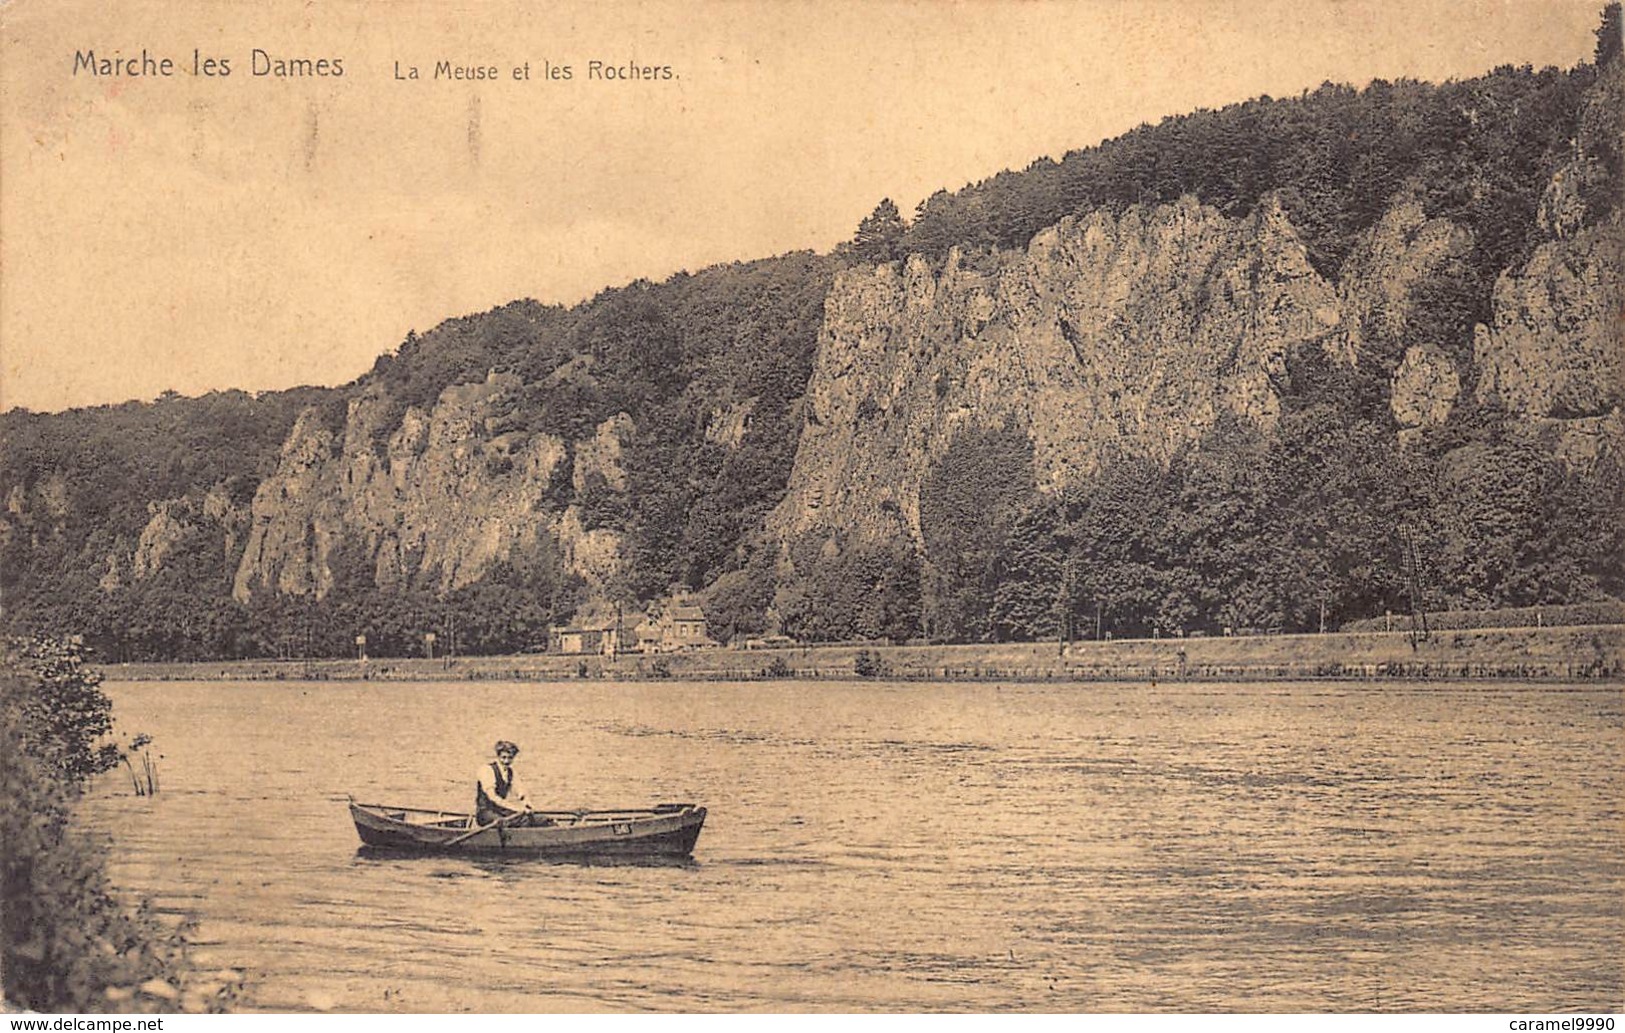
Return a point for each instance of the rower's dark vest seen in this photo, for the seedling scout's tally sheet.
(483, 802)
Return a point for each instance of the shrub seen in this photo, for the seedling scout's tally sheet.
(777, 668)
(62, 714)
(69, 945)
(868, 665)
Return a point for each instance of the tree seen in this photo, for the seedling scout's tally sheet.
(1029, 597)
(1118, 526)
(861, 590)
(880, 235)
(967, 501)
(737, 604)
(62, 711)
(1608, 36)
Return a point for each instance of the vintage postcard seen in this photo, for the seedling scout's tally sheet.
(918, 506)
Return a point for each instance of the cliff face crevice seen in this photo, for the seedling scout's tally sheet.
(451, 492)
(1128, 334)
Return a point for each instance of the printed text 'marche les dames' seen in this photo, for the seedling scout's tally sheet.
(261, 63)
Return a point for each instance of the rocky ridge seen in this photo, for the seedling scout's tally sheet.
(1108, 334)
(435, 500)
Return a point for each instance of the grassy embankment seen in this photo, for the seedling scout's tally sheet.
(1585, 652)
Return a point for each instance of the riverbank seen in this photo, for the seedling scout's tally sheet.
(1587, 652)
(71, 942)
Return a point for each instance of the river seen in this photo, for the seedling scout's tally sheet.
(904, 847)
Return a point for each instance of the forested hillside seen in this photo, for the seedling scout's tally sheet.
(1210, 374)
(82, 487)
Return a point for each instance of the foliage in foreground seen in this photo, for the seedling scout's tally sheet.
(69, 944)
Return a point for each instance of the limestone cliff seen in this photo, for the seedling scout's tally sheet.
(1423, 390)
(1107, 334)
(1553, 354)
(434, 499)
(1379, 289)
(200, 531)
(38, 514)
(168, 529)
(1553, 346)
(1378, 282)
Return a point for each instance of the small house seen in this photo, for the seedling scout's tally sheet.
(680, 624)
(608, 636)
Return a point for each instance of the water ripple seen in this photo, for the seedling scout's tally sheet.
(905, 848)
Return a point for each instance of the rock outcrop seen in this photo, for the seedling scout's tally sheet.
(34, 516)
(1423, 389)
(1378, 282)
(1107, 334)
(1553, 354)
(207, 526)
(1588, 182)
(434, 499)
(1378, 290)
(600, 455)
(1553, 347)
(169, 525)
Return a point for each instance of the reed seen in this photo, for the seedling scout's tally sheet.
(145, 782)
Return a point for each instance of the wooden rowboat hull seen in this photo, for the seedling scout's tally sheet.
(667, 830)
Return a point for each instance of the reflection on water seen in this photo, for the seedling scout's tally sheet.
(1276, 847)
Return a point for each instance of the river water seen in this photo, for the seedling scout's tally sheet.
(904, 847)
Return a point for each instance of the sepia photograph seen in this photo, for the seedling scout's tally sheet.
(868, 507)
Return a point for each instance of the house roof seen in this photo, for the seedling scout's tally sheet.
(628, 625)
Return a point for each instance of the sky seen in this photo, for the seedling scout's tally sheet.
(194, 233)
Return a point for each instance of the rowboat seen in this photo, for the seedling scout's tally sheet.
(665, 830)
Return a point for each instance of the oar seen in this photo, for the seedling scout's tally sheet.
(483, 828)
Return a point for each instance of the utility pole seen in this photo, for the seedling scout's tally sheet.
(1063, 606)
(308, 634)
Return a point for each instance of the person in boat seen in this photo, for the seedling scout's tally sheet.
(498, 793)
